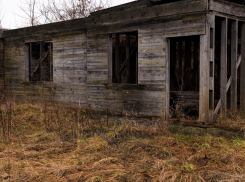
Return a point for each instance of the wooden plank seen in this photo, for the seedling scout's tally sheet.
(223, 67)
(204, 78)
(117, 59)
(228, 84)
(167, 78)
(110, 59)
(226, 7)
(211, 28)
(238, 61)
(127, 58)
(234, 43)
(242, 69)
(217, 107)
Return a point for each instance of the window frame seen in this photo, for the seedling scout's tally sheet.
(48, 54)
(113, 60)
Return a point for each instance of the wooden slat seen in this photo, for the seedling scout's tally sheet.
(223, 68)
(228, 84)
(204, 79)
(234, 43)
(238, 61)
(242, 69)
(217, 107)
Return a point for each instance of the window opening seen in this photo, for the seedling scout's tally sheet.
(184, 77)
(40, 61)
(125, 58)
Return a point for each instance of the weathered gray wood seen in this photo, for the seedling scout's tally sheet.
(234, 43)
(242, 69)
(223, 67)
(211, 28)
(109, 59)
(117, 59)
(167, 78)
(127, 57)
(217, 107)
(226, 7)
(204, 78)
(238, 61)
(228, 84)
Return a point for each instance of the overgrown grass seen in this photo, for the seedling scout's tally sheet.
(57, 142)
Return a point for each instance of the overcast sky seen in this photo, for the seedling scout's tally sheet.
(11, 14)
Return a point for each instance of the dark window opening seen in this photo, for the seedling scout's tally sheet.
(40, 61)
(125, 58)
(242, 2)
(184, 77)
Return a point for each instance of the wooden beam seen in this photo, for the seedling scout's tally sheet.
(228, 84)
(117, 61)
(211, 28)
(128, 57)
(204, 78)
(30, 60)
(234, 41)
(167, 78)
(223, 67)
(238, 61)
(110, 72)
(242, 69)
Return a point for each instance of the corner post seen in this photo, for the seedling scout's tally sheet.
(204, 76)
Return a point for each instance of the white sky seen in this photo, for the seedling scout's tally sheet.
(10, 12)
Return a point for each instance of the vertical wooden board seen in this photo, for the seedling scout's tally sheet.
(223, 67)
(234, 43)
(204, 79)
(242, 69)
(211, 29)
(167, 78)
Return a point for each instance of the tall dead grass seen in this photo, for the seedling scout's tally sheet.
(53, 141)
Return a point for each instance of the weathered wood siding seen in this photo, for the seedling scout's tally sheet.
(14, 65)
(1, 65)
(81, 71)
(70, 68)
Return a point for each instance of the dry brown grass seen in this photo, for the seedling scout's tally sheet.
(53, 142)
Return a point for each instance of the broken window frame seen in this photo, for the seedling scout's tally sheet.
(123, 60)
(44, 54)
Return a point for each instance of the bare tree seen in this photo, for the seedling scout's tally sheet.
(29, 8)
(60, 10)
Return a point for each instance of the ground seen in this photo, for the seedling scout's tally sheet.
(43, 141)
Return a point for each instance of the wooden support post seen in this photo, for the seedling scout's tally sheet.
(117, 62)
(242, 69)
(211, 30)
(167, 78)
(204, 78)
(223, 60)
(127, 57)
(110, 72)
(30, 60)
(234, 40)
(40, 62)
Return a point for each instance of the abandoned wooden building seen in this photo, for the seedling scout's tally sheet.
(147, 58)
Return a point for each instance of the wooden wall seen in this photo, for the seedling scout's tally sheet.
(81, 71)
